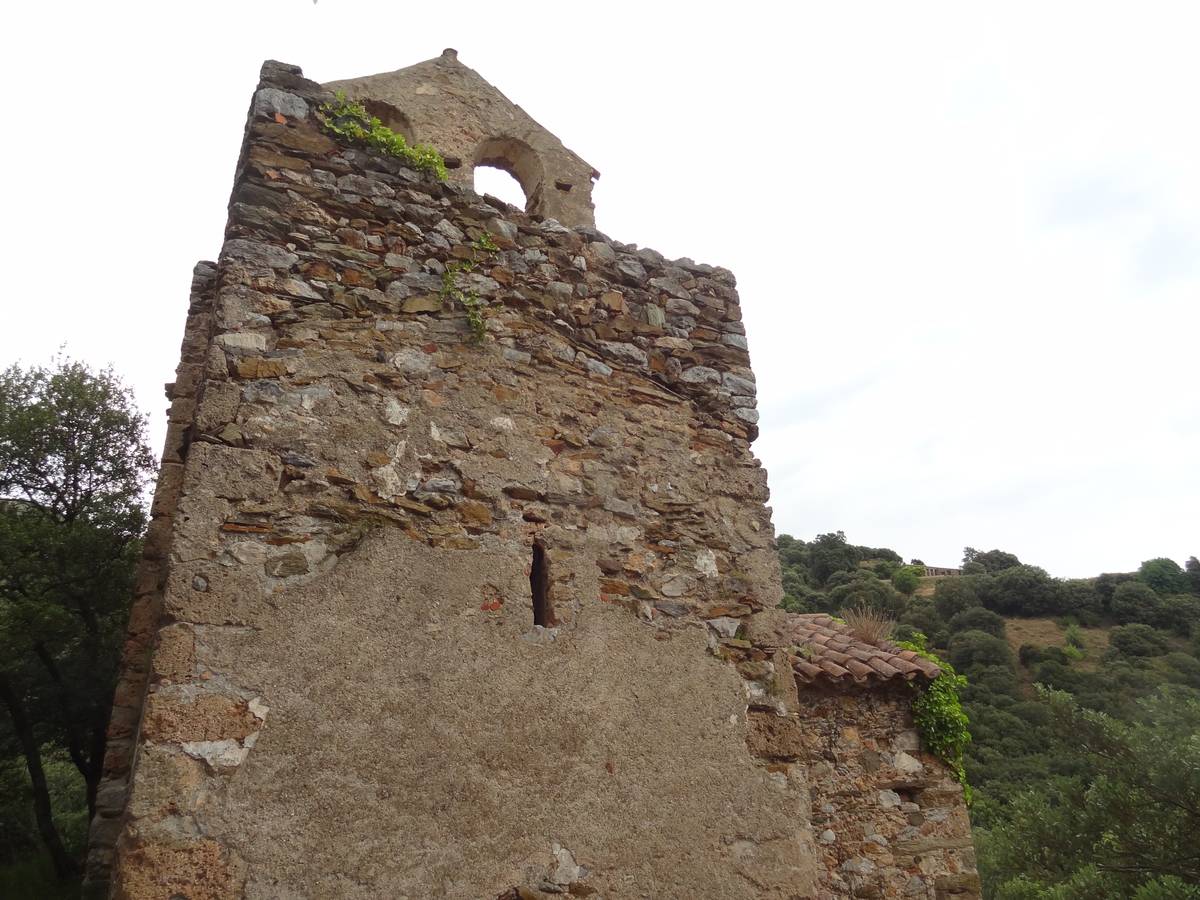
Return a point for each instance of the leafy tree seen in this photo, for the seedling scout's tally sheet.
(1106, 585)
(867, 590)
(829, 553)
(1179, 614)
(1134, 601)
(885, 568)
(907, 579)
(919, 616)
(74, 466)
(1129, 829)
(953, 595)
(1137, 640)
(970, 649)
(1023, 591)
(992, 561)
(979, 619)
(1079, 597)
(1164, 576)
(1192, 568)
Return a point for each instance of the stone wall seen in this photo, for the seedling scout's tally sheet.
(364, 506)
(889, 818)
(448, 105)
(146, 610)
(349, 696)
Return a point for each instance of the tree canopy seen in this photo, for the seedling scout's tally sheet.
(74, 468)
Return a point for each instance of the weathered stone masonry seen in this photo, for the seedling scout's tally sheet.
(347, 695)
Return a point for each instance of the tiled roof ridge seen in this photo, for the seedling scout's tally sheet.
(825, 650)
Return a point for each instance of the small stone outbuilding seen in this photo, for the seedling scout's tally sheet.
(888, 817)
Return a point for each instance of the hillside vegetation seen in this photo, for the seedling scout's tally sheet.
(1084, 701)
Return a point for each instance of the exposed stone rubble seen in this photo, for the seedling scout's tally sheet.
(348, 695)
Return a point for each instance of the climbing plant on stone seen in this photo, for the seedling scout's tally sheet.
(351, 122)
(467, 296)
(938, 713)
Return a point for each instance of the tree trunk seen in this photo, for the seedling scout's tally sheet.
(74, 744)
(64, 866)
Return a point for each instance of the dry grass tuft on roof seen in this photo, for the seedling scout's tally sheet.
(869, 624)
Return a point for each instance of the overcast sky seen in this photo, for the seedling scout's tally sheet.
(966, 236)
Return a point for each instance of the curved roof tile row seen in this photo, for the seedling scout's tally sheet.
(826, 650)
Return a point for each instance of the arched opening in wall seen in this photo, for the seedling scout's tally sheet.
(498, 157)
(392, 117)
(539, 587)
(500, 184)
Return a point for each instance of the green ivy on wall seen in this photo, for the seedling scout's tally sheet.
(938, 713)
(470, 300)
(351, 122)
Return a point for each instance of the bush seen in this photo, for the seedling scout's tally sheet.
(971, 649)
(953, 595)
(885, 568)
(907, 579)
(1184, 669)
(992, 561)
(802, 599)
(1023, 591)
(1133, 601)
(920, 615)
(864, 589)
(1179, 614)
(1074, 636)
(1079, 597)
(1163, 575)
(1029, 655)
(979, 619)
(1137, 640)
(1107, 584)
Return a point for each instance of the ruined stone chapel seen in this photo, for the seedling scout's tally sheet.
(460, 581)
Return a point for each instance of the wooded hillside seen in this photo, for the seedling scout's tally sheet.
(1084, 704)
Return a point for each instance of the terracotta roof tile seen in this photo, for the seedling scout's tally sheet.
(827, 651)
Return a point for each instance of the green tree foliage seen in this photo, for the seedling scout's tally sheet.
(1107, 583)
(977, 618)
(992, 561)
(1078, 597)
(1192, 570)
(864, 589)
(973, 649)
(1129, 827)
(1135, 601)
(73, 471)
(813, 569)
(1023, 591)
(1164, 576)
(952, 595)
(1137, 640)
(907, 579)
(1029, 787)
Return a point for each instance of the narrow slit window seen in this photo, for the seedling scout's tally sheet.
(539, 586)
